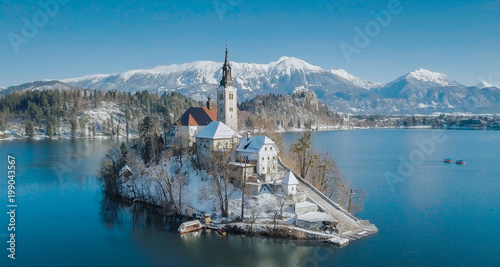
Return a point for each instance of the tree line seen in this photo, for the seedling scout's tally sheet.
(53, 112)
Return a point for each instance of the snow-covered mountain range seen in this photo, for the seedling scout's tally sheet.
(198, 79)
(418, 92)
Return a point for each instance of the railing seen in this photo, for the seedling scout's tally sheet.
(327, 199)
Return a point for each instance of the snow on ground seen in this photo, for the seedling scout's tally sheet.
(99, 117)
(262, 208)
(199, 192)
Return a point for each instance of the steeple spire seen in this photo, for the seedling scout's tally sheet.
(227, 80)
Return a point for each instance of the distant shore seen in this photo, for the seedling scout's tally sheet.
(7, 136)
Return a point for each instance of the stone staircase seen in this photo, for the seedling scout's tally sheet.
(347, 223)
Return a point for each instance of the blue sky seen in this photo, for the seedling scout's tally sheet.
(458, 38)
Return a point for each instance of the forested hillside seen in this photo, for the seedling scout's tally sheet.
(80, 113)
(299, 111)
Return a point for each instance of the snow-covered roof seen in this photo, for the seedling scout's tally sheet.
(254, 144)
(290, 179)
(241, 164)
(316, 216)
(304, 204)
(217, 130)
(125, 168)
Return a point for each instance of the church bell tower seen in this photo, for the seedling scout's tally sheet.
(227, 99)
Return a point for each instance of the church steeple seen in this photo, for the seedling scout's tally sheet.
(227, 80)
(227, 97)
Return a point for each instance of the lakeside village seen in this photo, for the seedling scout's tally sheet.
(208, 171)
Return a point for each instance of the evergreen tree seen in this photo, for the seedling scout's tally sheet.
(74, 128)
(147, 140)
(123, 155)
(30, 129)
(249, 122)
(50, 130)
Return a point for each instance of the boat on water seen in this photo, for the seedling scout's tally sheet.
(460, 162)
(222, 232)
(190, 226)
(447, 160)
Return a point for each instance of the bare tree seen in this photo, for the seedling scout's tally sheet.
(254, 215)
(223, 173)
(281, 201)
(181, 145)
(323, 173)
(242, 186)
(305, 156)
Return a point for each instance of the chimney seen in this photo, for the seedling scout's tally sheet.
(248, 135)
(208, 102)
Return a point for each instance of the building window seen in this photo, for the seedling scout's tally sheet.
(220, 109)
(231, 109)
(221, 96)
(267, 158)
(231, 96)
(262, 158)
(266, 148)
(271, 148)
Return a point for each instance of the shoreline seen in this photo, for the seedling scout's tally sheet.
(282, 231)
(330, 129)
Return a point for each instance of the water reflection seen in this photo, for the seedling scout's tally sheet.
(156, 235)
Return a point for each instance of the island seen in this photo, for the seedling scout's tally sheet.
(204, 168)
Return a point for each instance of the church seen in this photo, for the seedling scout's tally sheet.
(223, 133)
(196, 119)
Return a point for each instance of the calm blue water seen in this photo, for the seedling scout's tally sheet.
(435, 215)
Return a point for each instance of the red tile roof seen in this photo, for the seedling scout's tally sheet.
(198, 116)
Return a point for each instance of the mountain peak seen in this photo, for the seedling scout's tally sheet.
(292, 62)
(355, 80)
(435, 78)
(484, 84)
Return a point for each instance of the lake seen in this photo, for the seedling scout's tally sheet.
(428, 213)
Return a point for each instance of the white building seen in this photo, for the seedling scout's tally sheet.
(227, 98)
(214, 137)
(289, 184)
(260, 151)
(192, 121)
